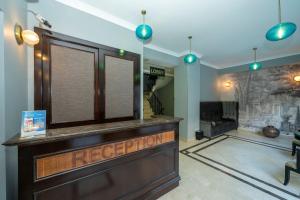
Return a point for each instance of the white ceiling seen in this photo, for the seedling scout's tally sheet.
(224, 31)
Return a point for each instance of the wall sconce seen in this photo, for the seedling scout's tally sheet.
(228, 84)
(297, 78)
(26, 36)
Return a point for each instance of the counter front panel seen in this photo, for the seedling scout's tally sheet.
(128, 160)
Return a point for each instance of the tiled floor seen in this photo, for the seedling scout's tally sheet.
(236, 166)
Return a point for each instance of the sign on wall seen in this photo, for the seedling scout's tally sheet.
(157, 71)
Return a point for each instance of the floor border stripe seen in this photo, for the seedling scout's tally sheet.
(265, 143)
(250, 176)
(242, 180)
(278, 147)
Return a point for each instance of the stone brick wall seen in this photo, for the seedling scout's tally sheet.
(267, 97)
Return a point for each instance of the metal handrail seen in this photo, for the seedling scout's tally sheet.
(155, 104)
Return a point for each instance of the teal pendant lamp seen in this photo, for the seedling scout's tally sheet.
(282, 30)
(143, 31)
(255, 65)
(190, 58)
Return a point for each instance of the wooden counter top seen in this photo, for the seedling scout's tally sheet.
(79, 131)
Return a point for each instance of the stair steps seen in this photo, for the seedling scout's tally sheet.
(148, 113)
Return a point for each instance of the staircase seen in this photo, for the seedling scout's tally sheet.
(147, 107)
(152, 104)
(161, 82)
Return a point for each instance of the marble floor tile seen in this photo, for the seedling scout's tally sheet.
(237, 166)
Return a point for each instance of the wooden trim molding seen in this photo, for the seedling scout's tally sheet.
(43, 74)
(63, 162)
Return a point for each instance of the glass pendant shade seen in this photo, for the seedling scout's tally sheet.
(143, 32)
(255, 66)
(281, 31)
(190, 58)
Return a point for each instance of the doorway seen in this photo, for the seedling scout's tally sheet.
(158, 89)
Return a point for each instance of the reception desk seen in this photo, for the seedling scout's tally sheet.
(135, 159)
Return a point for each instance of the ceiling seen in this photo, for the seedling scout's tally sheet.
(224, 32)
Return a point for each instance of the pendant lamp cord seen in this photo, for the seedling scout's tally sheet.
(254, 49)
(143, 13)
(279, 11)
(190, 38)
(190, 46)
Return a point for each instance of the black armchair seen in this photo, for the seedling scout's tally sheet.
(295, 143)
(218, 117)
(292, 166)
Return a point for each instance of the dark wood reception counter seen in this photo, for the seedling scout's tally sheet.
(135, 159)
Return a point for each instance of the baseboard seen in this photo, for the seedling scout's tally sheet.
(248, 130)
(187, 139)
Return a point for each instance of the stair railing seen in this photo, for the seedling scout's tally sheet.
(155, 104)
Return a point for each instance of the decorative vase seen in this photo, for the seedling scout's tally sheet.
(271, 132)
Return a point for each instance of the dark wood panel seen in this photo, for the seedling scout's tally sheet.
(42, 82)
(145, 174)
(136, 83)
(42, 75)
(118, 181)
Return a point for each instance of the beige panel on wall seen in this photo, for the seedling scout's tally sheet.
(118, 87)
(72, 85)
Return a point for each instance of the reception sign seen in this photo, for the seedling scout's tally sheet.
(63, 162)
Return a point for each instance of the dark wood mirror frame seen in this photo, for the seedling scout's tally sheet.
(42, 75)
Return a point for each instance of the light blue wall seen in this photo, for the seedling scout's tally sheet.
(161, 57)
(208, 84)
(181, 99)
(194, 80)
(82, 25)
(267, 63)
(15, 90)
(2, 112)
(187, 98)
(73, 22)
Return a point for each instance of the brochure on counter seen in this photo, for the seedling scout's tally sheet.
(33, 123)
